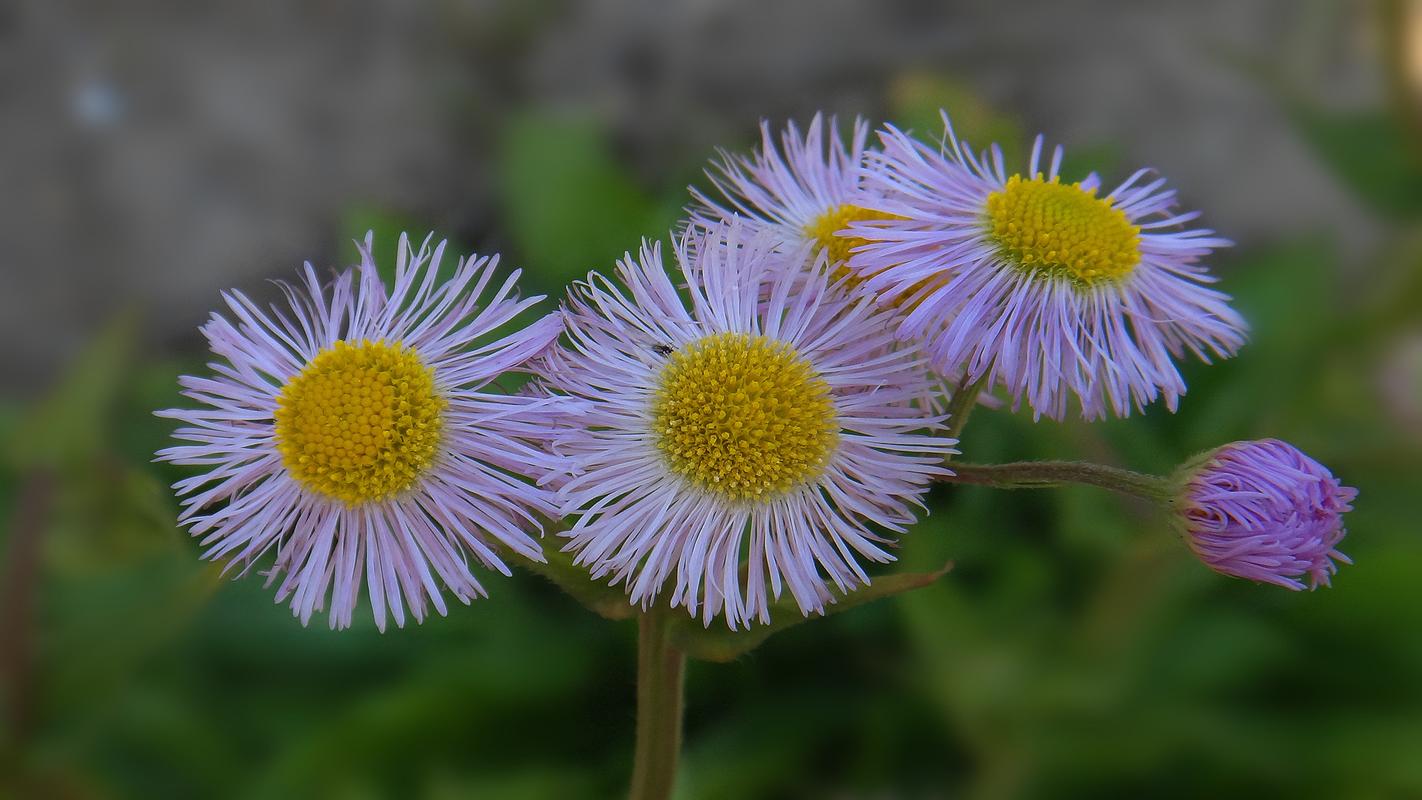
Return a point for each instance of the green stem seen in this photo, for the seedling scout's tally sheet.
(661, 672)
(964, 400)
(1052, 474)
(18, 606)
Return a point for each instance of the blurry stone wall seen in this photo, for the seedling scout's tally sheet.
(153, 153)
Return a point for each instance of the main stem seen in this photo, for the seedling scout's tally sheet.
(1049, 474)
(661, 672)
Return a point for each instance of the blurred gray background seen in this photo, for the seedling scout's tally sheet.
(157, 152)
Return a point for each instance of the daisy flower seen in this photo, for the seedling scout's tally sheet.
(1264, 511)
(1042, 286)
(348, 431)
(755, 433)
(803, 191)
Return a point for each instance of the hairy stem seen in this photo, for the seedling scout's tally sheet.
(964, 399)
(661, 672)
(1052, 474)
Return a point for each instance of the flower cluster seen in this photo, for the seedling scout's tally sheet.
(758, 413)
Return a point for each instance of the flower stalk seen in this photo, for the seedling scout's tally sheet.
(964, 400)
(661, 673)
(1054, 474)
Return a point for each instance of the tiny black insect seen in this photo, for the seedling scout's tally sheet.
(662, 349)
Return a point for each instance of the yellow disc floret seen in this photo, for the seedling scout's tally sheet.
(824, 227)
(361, 422)
(1062, 230)
(744, 416)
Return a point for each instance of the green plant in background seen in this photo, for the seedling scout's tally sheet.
(1067, 651)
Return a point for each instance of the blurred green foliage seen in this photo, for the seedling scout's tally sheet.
(1375, 156)
(1076, 650)
(569, 206)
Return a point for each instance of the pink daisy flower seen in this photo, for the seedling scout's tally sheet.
(753, 433)
(801, 191)
(1043, 287)
(348, 432)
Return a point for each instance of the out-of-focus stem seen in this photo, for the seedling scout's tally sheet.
(661, 670)
(964, 399)
(17, 590)
(1396, 28)
(1052, 474)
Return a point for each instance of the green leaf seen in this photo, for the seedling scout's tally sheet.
(720, 644)
(571, 206)
(606, 601)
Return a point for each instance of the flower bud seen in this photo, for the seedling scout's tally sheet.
(1263, 510)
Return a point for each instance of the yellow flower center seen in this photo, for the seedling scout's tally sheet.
(1062, 230)
(743, 416)
(361, 422)
(824, 227)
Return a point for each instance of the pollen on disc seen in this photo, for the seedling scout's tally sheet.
(1058, 229)
(361, 422)
(743, 416)
(824, 230)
